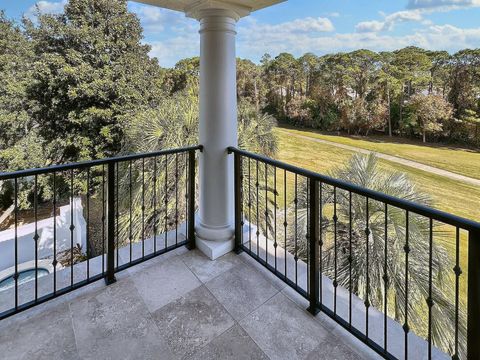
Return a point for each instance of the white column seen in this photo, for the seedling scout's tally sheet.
(218, 131)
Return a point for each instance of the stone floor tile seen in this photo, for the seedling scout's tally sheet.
(284, 331)
(164, 282)
(332, 349)
(241, 290)
(114, 323)
(205, 269)
(47, 336)
(234, 344)
(192, 321)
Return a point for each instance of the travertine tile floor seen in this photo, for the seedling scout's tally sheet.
(180, 305)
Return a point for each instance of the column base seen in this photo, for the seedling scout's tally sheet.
(214, 242)
(215, 249)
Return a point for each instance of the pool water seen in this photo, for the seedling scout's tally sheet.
(23, 277)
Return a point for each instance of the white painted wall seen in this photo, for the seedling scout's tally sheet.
(25, 234)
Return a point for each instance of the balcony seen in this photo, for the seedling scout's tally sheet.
(251, 258)
(179, 305)
(288, 291)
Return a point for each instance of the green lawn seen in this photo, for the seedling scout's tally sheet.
(455, 159)
(448, 195)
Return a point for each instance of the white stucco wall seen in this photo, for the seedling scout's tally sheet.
(25, 234)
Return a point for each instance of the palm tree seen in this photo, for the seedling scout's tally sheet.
(174, 124)
(365, 171)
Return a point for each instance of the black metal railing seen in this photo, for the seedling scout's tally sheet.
(93, 219)
(400, 276)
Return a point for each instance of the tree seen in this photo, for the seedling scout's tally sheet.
(174, 124)
(427, 113)
(17, 131)
(365, 171)
(91, 75)
(412, 67)
(185, 73)
(465, 81)
(389, 84)
(361, 69)
(249, 82)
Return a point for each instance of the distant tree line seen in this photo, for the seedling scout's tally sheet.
(409, 92)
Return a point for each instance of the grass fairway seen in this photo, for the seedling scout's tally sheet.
(448, 195)
(455, 159)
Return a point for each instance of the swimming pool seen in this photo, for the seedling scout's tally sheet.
(23, 277)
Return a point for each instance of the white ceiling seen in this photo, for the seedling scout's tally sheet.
(185, 5)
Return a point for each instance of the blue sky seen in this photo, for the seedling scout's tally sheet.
(299, 26)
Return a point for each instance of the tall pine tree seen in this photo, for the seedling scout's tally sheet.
(91, 75)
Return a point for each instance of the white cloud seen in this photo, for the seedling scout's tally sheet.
(390, 21)
(170, 51)
(46, 7)
(415, 13)
(370, 26)
(253, 44)
(304, 25)
(429, 4)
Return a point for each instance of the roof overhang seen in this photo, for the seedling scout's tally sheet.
(192, 7)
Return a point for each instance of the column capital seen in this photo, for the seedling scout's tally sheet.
(210, 8)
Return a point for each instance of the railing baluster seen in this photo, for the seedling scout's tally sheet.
(176, 199)
(36, 236)
(275, 194)
(187, 182)
(367, 269)
(307, 236)
(473, 332)
(313, 246)
(191, 200)
(285, 223)
(320, 231)
(350, 260)
(155, 205)
(406, 327)
(335, 240)
(238, 202)
(116, 200)
(458, 271)
(257, 185)
(72, 227)
(104, 218)
(110, 274)
(88, 224)
(130, 212)
(295, 202)
(249, 206)
(166, 202)
(385, 284)
(15, 194)
(266, 213)
(430, 285)
(54, 263)
(143, 208)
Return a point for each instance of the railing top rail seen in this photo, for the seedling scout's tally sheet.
(91, 163)
(410, 206)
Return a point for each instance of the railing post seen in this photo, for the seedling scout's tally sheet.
(110, 274)
(473, 332)
(191, 201)
(238, 202)
(313, 235)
